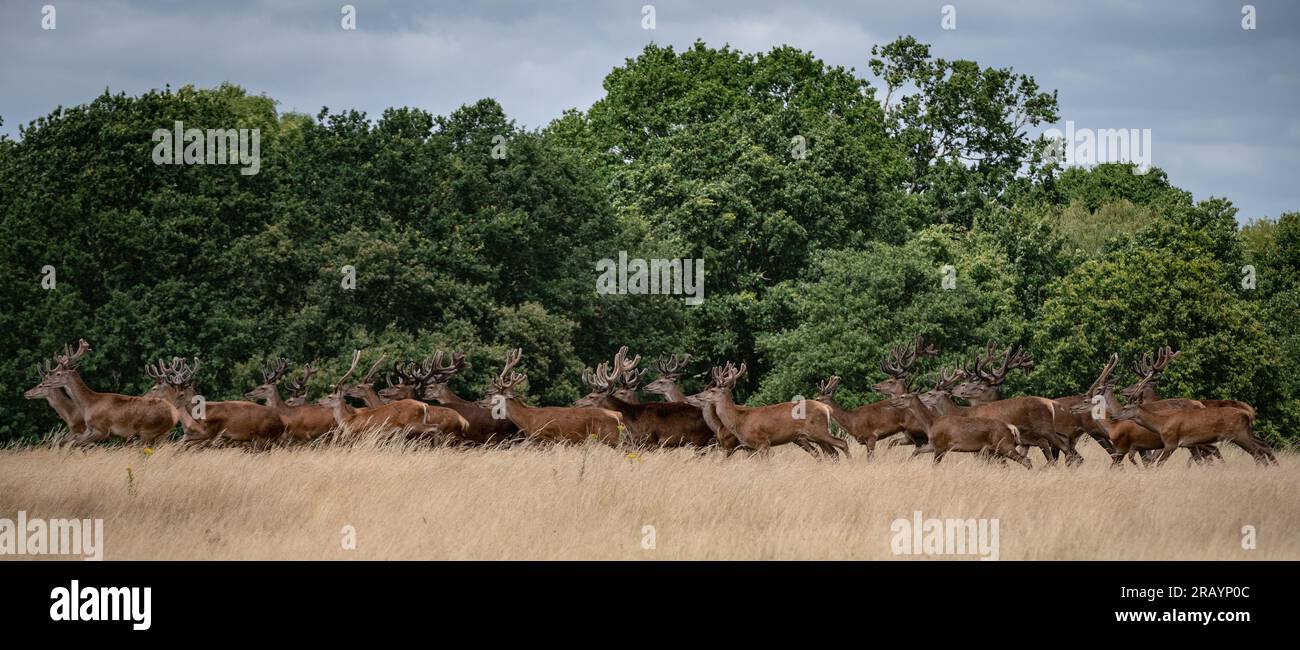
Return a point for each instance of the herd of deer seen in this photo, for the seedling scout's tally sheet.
(418, 404)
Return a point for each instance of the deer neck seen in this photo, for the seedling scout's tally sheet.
(674, 393)
(921, 413)
(986, 396)
(276, 402)
(63, 405)
(79, 392)
(342, 411)
(1153, 420)
(446, 395)
(727, 412)
(1149, 394)
(836, 410)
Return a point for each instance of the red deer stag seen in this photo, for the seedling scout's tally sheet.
(302, 423)
(109, 414)
(413, 418)
(897, 365)
(549, 423)
(760, 428)
(1150, 369)
(1041, 421)
(244, 423)
(483, 428)
(1193, 427)
(661, 424)
(57, 398)
(947, 432)
(869, 422)
(670, 371)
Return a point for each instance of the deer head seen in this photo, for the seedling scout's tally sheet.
(271, 375)
(41, 389)
(408, 380)
(1103, 385)
(898, 363)
(670, 370)
(724, 381)
(504, 383)
(338, 390)
(600, 383)
(181, 380)
(983, 381)
(160, 373)
(65, 367)
(436, 386)
(366, 385)
(1148, 371)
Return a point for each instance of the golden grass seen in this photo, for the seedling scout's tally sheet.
(592, 503)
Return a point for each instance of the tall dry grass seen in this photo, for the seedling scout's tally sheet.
(593, 502)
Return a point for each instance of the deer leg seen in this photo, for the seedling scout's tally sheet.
(1165, 454)
(806, 445)
(939, 454)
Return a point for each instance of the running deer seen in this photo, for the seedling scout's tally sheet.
(1149, 369)
(760, 428)
(413, 418)
(549, 423)
(949, 432)
(108, 414)
(660, 424)
(869, 422)
(1041, 421)
(897, 366)
(245, 423)
(483, 428)
(1192, 427)
(670, 371)
(57, 398)
(302, 423)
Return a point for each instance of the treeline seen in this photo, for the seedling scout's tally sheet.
(824, 204)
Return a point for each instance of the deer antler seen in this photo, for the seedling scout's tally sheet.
(356, 357)
(508, 376)
(369, 377)
(905, 355)
(272, 373)
(726, 376)
(69, 360)
(828, 387)
(1013, 358)
(945, 380)
(441, 372)
(298, 386)
(1104, 377)
(673, 366)
(181, 373)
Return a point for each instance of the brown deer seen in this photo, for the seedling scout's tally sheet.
(244, 423)
(483, 428)
(760, 428)
(948, 432)
(108, 414)
(670, 371)
(1041, 422)
(302, 423)
(661, 424)
(57, 398)
(869, 423)
(1149, 369)
(549, 423)
(413, 418)
(1193, 427)
(897, 366)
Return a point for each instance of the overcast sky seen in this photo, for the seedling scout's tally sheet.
(1221, 102)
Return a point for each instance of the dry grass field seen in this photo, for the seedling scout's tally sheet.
(593, 502)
